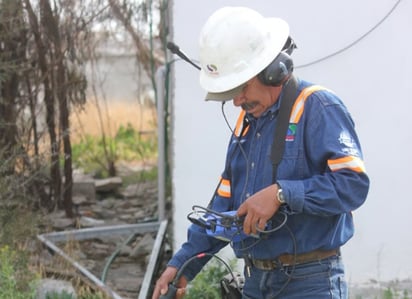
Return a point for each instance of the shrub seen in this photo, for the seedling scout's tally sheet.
(17, 281)
(206, 284)
(93, 154)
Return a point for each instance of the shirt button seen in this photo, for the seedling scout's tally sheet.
(247, 195)
(252, 165)
(258, 135)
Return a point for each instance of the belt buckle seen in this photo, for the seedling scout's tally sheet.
(266, 265)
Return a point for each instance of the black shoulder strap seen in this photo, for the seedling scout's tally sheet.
(278, 146)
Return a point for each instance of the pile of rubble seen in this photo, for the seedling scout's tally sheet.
(118, 260)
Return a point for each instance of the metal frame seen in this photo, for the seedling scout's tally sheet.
(50, 239)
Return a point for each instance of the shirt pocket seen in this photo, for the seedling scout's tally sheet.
(293, 163)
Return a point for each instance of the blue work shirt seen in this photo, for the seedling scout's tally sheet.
(321, 174)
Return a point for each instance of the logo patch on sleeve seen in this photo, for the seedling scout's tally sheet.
(348, 144)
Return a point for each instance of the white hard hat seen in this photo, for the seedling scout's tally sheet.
(236, 44)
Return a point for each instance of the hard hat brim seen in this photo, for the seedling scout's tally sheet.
(226, 95)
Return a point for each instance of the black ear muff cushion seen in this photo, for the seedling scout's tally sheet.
(277, 71)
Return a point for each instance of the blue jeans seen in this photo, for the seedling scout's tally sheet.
(322, 279)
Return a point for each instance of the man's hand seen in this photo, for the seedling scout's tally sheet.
(259, 208)
(167, 277)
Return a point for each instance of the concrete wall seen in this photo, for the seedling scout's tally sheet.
(373, 78)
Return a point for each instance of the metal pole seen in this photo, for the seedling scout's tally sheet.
(83, 270)
(102, 231)
(154, 259)
(160, 87)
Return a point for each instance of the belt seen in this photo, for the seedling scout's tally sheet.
(292, 259)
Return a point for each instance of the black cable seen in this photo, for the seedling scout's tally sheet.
(354, 42)
(238, 142)
(282, 223)
(230, 158)
(290, 276)
(276, 228)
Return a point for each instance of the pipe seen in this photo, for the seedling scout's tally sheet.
(161, 124)
(83, 270)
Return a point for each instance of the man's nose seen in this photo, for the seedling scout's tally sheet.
(238, 100)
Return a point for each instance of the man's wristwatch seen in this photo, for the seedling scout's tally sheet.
(280, 197)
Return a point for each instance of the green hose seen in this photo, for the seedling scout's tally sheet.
(113, 256)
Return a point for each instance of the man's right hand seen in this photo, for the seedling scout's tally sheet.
(165, 279)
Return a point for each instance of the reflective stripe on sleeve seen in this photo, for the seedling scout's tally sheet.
(224, 188)
(352, 163)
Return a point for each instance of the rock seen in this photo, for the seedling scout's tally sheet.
(108, 185)
(143, 247)
(84, 186)
(79, 199)
(140, 214)
(53, 286)
(108, 203)
(125, 251)
(126, 218)
(130, 191)
(61, 223)
(103, 212)
(90, 222)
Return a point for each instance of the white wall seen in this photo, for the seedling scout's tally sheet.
(373, 78)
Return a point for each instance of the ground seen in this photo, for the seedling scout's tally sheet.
(120, 261)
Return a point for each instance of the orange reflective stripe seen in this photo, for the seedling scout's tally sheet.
(350, 162)
(224, 188)
(299, 105)
(239, 124)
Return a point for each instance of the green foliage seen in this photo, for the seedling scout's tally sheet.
(61, 295)
(91, 296)
(17, 224)
(66, 295)
(388, 294)
(141, 176)
(394, 293)
(206, 285)
(134, 145)
(93, 154)
(16, 279)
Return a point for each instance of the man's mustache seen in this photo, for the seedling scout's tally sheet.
(248, 106)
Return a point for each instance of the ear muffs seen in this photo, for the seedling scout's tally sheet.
(278, 71)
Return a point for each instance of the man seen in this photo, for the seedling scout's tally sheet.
(296, 214)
